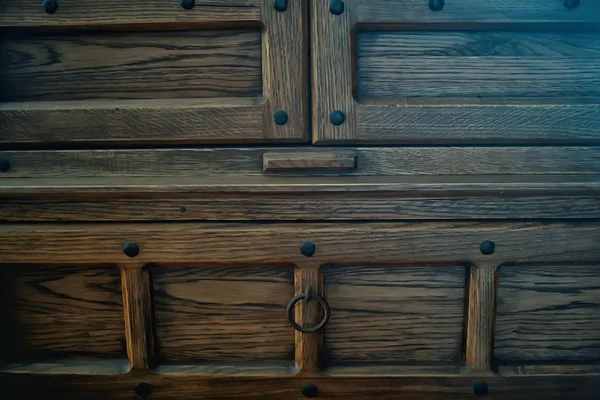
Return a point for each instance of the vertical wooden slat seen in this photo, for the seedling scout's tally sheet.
(137, 305)
(481, 317)
(308, 345)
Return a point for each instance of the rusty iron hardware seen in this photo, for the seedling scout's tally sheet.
(308, 295)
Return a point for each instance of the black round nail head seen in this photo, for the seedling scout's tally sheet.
(337, 117)
(336, 7)
(308, 249)
(187, 4)
(310, 390)
(436, 5)
(480, 389)
(280, 117)
(142, 389)
(280, 5)
(4, 165)
(487, 247)
(131, 249)
(50, 6)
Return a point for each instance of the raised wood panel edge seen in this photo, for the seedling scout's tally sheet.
(310, 161)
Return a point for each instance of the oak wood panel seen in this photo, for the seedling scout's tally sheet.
(223, 314)
(348, 243)
(181, 121)
(309, 161)
(472, 123)
(137, 305)
(22, 13)
(53, 312)
(308, 346)
(477, 64)
(131, 66)
(249, 161)
(574, 387)
(548, 313)
(395, 315)
(481, 316)
(406, 11)
(309, 206)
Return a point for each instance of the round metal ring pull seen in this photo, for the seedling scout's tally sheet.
(308, 295)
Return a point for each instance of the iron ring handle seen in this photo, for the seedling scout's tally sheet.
(308, 294)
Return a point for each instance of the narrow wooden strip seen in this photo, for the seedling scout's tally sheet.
(386, 161)
(282, 207)
(481, 316)
(310, 161)
(568, 124)
(22, 13)
(138, 317)
(308, 314)
(274, 244)
(133, 121)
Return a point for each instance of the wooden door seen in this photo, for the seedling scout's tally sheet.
(152, 72)
(455, 71)
(436, 310)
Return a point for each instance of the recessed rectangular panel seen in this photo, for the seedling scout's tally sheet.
(395, 315)
(548, 314)
(52, 313)
(223, 314)
(133, 65)
(431, 65)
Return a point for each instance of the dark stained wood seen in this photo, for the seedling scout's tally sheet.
(223, 314)
(395, 315)
(22, 13)
(137, 305)
(132, 121)
(548, 313)
(309, 207)
(156, 65)
(310, 161)
(58, 312)
(101, 387)
(273, 244)
(386, 161)
(399, 65)
(481, 316)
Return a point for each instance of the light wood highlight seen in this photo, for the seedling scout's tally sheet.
(308, 314)
(310, 161)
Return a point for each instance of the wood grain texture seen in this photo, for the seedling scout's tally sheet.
(481, 316)
(223, 314)
(54, 312)
(355, 243)
(332, 73)
(181, 121)
(309, 206)
(399, 65)
(285, 69)
(308, 352)
(155, 65)
(309, 161)
(395, 315)
(137, 305)
(455, 123)
(385, 161)
(548, 313)
(573, 387)
(22, 13)
(397, 11)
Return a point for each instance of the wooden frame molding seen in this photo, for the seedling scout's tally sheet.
(440, 120)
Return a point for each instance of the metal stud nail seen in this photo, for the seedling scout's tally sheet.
(308, 249)
(280, 5)
(311, 390)
(571, 4)
(50, 6)
(480, 389)
(337, 117)
(487, 247)
(280, 117)
(436, 5)
(187, 4)
(336, 7)
(131, 249)
(4, 165)
(142, 389)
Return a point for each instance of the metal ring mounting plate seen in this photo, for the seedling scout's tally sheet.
(321, 325)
